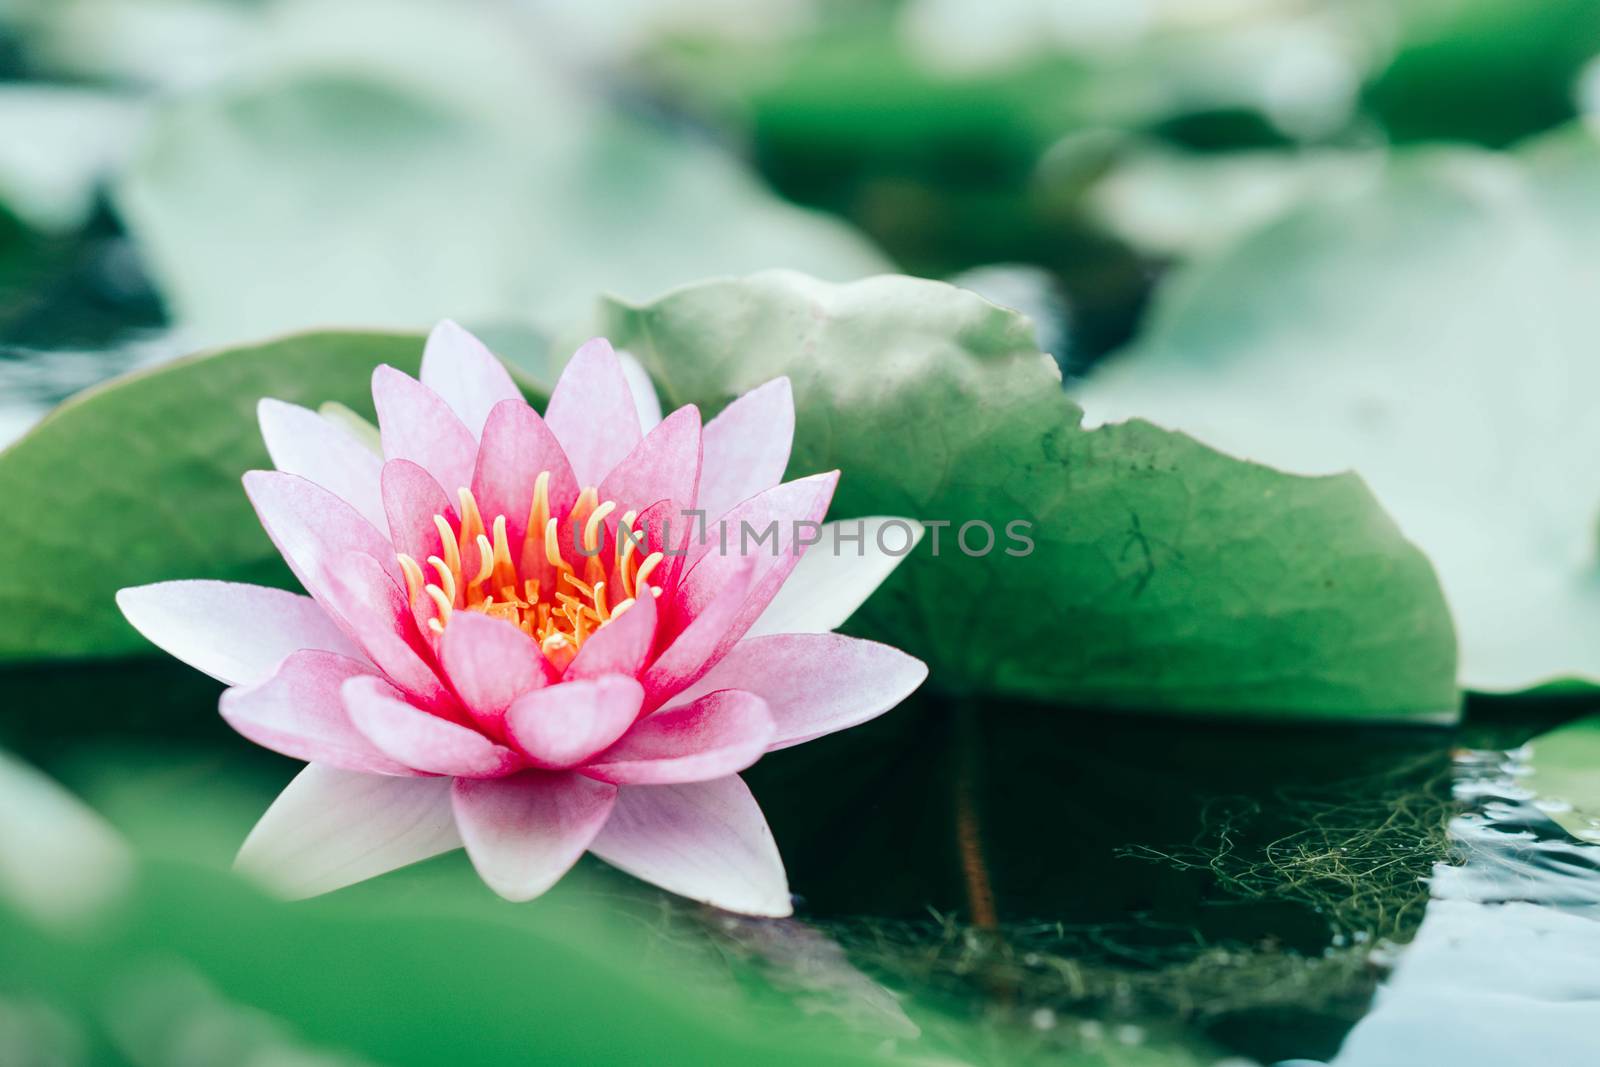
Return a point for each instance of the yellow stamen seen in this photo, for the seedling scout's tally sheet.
(415, 579)
(559, 611)
(485, 562)
(447, 577)
(591, 530)
(452, 551)
(646, 569)
(559, 649)
(552, 548)
(442, 602)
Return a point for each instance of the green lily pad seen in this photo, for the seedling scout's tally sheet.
(138, 481)
(1432, 330)
(1565, 774)
(385, 189)
(1164, 575)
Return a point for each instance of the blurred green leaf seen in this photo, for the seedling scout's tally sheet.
(425, 970)
(1431, 329)
(1165, 575)
(1489, 71)
(138, 481)
(384, 189)
(1564, 772)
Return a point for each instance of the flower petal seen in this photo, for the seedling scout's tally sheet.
(302, 442)
(717, 735)
(236, 633)
(663, 466)
(785, 510)
(621, 646)
(524, 832)
(565, 724)
(707, 841)
(411, 499)
(416, 424)
(491, 663)
(836, 577)
(517, 447)
(373, 610)
(313, 528)
(331, 828)
(747, 447)
(465, 375)
(645, 400)
(813, 684)
(690, 654)
(419, 740)
(592, 413)
(298, 712)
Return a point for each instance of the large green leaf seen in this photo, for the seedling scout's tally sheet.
(1564, 767)
(1165, 575)
(1434, 330)
(360, 178)
(138, 481)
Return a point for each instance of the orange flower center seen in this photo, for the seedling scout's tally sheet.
(538, 588)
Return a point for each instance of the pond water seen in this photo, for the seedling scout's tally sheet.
(1150, 891)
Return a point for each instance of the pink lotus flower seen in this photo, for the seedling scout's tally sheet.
(548, 658)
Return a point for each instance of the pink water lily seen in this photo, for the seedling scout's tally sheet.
(515, 642)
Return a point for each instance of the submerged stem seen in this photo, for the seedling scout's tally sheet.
(969, 826)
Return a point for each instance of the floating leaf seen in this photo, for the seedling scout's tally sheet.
(138, 481)
(382, 188)
(1434, 332)
(1565, 766)
(1163, 574)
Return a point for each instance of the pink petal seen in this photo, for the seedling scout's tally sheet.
(785, 508)
(747, 447)
(663, 466)
(565, 724)
(313, 528)
(718, 735)
(813, 684)
(690, 654)
(419, 740)
(331, 828)
(236, 633)
(621, 646)
(373, 609)
(517, 446)
(707, 841)
(645, 399)
(302, 442)
(828, 585)
(525, 831)
(491, 663)
(592, 413)
(298, 712)
(417, 425)
(411, 499)
(465, 375)
(669, 527)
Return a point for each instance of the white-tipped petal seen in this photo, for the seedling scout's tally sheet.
(236, 633)
(837, 575)
(318, 449)
(707, 841)
(331, 828)
(645, 399)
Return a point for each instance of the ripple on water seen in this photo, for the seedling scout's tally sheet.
(1505, 969)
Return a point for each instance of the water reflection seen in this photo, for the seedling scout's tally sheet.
(1505, 968)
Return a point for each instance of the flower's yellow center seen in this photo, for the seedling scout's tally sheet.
(536, 587)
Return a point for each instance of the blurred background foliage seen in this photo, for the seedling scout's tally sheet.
(179, 173)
